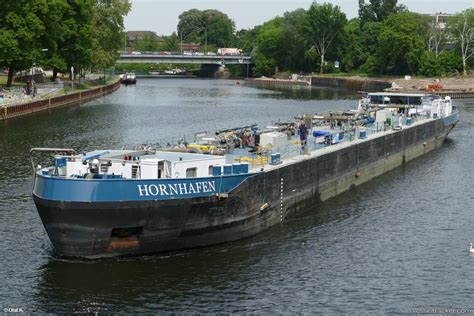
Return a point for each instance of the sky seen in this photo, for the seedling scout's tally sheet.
(161, 16)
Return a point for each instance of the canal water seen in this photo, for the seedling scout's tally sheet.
(394, 245)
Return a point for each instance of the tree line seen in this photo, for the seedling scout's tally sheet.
(61, 34)
(211, 28)
(385, 39)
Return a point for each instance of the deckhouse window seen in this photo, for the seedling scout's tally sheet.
(135, 172)
(191, 173)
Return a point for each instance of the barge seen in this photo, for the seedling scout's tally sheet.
(230, 184)
(128, 78)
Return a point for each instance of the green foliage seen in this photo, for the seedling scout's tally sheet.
(108, 31)
(76, 45)
(445, 64)
(294, 40)
(407, 30)
(279, 44)
(323, 28)
(149, 43)
(171, 43)
(378, 10)
(218, 28)
(354, 52)
(21, 29)
(247, 39)
(269, 52)
(60, 33)
(461, 30)
(212, 26)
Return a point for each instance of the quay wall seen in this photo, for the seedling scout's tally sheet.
(349, 83)
(7, 112)
(356, 84)
(278, 83)
(363, 84)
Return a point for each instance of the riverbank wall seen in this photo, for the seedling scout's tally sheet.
(351, 83)
(279, 83)
(355, 84)
(454, 87)
(11, 111)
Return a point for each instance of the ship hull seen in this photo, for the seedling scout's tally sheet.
(101, 229)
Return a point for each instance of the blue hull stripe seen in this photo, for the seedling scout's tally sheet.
(110, 190)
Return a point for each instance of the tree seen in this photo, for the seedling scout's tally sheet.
(293, 40)
(323, 27)
(171, 43)
(108, 31)
(277, 44)
(218, 29)
(444, 64)
(461, 29)
(77, 42)
(209, 26)
(436, 39)
(54, 35)
(401, 44)
(20, 32)
(148, 43)
(269, 52)
(190, 25)
(247, 39)
(354, 52)
(378, 10)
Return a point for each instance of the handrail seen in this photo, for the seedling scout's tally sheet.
(48, 150)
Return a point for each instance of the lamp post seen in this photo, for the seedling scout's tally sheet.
(72, 77)
(205, 41)
(181, 33)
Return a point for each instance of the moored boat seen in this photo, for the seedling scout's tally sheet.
(229, 184)
(128, 78)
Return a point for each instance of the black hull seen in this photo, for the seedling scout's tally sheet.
(94, 230)
(127, 81)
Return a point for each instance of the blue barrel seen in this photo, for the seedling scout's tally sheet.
(227, 169)
(362, 134)
(244, 167)
(409, 121)
(216, 170)
(236, 168)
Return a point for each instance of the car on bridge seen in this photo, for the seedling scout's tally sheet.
(164, 53)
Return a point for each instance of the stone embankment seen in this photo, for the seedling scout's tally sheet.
(294, 81)
(45, 103)
(350, 83)
(456, 87)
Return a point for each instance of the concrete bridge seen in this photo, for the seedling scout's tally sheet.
(185, 59)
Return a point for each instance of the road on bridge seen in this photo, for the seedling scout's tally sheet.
(185, 59)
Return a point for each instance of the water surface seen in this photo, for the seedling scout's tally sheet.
(394, 244)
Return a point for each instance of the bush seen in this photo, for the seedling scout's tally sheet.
(447, 63)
